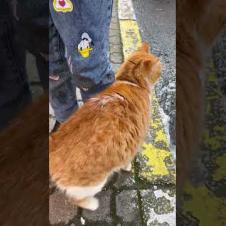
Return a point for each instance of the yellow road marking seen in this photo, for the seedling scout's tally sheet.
(154, 155)
(156, 162)
(130, 36)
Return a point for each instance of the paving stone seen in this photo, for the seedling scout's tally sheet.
(116, 58)
(52, 119)
(114, 21)
(125, 179)
(114, 33)
(116, 48)
(96, 224)
(103, 212)
(114, 26)
(115, 40)
(115, 67)
(52, 122)
(126, 10)
(60, 209)
(115, 14)
(114, 11)
(127, 208)
(159, 206)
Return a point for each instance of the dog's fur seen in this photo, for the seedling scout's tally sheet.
(103, 136)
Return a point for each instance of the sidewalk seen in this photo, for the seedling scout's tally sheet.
(146, 196)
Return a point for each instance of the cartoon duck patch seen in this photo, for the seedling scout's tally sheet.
(62, 6)
(85, 46)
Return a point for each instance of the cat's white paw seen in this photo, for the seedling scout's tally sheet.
(128, 167)
(90, 203)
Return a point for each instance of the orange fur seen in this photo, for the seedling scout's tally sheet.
(103, 136)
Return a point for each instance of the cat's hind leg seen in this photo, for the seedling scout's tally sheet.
(90, 203)
(83, 196)
(128, 167)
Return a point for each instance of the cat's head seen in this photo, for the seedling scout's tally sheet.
(141, 67)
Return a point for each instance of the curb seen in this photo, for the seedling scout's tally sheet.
(156, 160)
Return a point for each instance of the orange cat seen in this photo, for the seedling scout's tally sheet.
(103, 136)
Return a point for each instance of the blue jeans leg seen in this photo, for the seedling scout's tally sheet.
(84, 29)
(62, 96)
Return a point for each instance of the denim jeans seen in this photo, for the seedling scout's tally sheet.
(79, 39)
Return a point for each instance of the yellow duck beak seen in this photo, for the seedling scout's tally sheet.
(85, 52)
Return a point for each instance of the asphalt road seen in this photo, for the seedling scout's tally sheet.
(157, 22)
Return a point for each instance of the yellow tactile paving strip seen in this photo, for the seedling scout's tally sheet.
(156, 156)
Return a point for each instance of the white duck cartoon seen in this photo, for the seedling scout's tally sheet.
(62, 6)
(85, 46)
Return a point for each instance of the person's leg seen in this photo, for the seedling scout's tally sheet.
(62, 93)
(84, 29)
(62, 96)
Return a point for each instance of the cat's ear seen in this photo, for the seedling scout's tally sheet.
(152, 69)
(144, 47)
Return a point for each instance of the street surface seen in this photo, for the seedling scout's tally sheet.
(157, 23)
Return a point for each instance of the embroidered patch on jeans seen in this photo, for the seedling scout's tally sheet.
(63, 6)
(85, 46)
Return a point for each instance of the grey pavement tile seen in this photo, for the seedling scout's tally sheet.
(126, 10)
(114, 26)
(125, 180)
(115, 67)
(61, 211)
(113, 22)
(114, 32)
(95, 224)
(159, 206)
(115, 39)
(127, 208)
(102, 214)
(52, 123)
(116, 58)
(116, 48)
